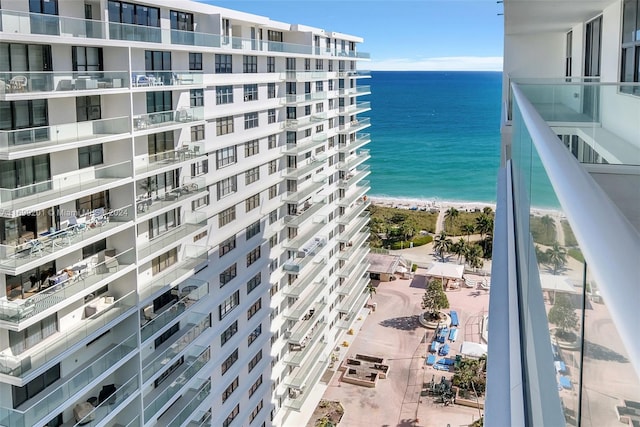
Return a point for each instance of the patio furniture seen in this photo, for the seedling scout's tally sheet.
(444, 350)
(139, 80)
(453, 335)
(18, 84)
(454, 318)
(431, 359)
(83, 413)
(565, 382)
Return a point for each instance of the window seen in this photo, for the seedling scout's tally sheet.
(25, 339)
(290, 88)
(255, 360)
(227, 246)
(255, 412)
(229, 361)
(223, 64)
(250, 120)
(251, 148)
(228, 275)
(252, 175)
(330, 88)
(307, 110)
(272, 141)
(255, 386)
(291, 64)
(232, 415)
(35, 386)
(271, 115)
(128, 13)
(271, 64)
(249, 64)
(225, 156)
(196, 97)
(273, 167)
(291, 138)
(164, 222)
(252, 230)
(86, 58)
(197, 133)
(273, 241)
(231, 388)
(319, 86)
(254, 335)
(319, 107)
(630, 66)
(253, 256)
(195, 61)
(160, 101)
(227, 186)
(251, 92)
(90, 156)
(254, 282)
(291, 114)
(319, 64)
(224, 95)
(164, 261)
(226, 216)
(307, 64)
(198, 203)
(593, 41)
(227, 305)
(224, 125)
(252, 202)
(273, 191)
(255, 307)
(568, 54)
(307, 87)
(271, 90)
(88, 108)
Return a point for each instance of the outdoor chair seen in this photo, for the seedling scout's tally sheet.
(18, 84)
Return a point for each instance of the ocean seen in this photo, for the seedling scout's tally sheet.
(434, 135)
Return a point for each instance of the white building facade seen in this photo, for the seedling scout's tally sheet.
(182, 213)
(566, 349)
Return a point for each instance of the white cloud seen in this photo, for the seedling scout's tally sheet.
(449, 63)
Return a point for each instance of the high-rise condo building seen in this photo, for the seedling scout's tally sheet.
(182, 213)
(564, 342)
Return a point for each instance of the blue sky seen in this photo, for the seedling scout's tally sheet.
(401, 34)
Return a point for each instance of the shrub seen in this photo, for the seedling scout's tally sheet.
(414, 267)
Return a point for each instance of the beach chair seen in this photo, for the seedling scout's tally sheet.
(431, 359)
(454, 318)
(444, 350)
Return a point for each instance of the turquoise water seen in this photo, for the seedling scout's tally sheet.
(434, 135)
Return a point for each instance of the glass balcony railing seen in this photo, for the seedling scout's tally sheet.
(304, 213)
(157, 200)
(354, 177)
(30, 82)
(304, 192)
(358, 256)
(351, 282)
(361, 140)
(163, 357)
(300, 308)
(195, 222)
(307, 238)
(61, 394)
(195, 397)
(354, 161)
(200, 290)
(356, 108)
(167, 118)
(72, 183)
(353, 229)
(355, 125)
(87, 274)
(15, 22)
(353, 246)
(166, 78)
(597, 122)
(190, 368)
(573, 280)
(302, 76)
(293, 124)
(296, 357)
(302, 282)
(150, 163)
(19, 366)
(297, 99)
(347, 321)
(112, 405)
(12, 141)
(304, 327)
(303, 170)
(305, 144)
(357, 210)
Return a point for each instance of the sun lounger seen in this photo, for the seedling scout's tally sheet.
(560, 366)
(454, 318)
(440, 367)
(444, 350)
(446, 362)
(431, 359)
(565, 382)
(434, 346)
(453, 335)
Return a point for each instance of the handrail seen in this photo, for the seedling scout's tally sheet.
(575, 189)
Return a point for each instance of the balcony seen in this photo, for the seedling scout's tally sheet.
(14, 143)
(50, 25)
(306, 144)
(302, 282)
(361, 140)
(62, 288)
(77, 337)
(306, 190)
(194, 256)
(70, 83)
(196, 223)
(177, 415)
(149, 204)
(353, 161)
(357, 257)
(313, 373)
(357, 210)
(195, 291)
(297, 357)
(291, 99)
(346, 322)
(297, 378)
(357, 108)
(303, 76)
(304, 213)
(358, 195)
(62, 394)
(349, 303)
(113, 405)
(303, 327)
(305, 238)
(33, 197)
(167, 118)
(300, 308)
(53, 244)
(159, 80)
(302, 170)
(169, 159)
(297, 124)
(355, 125)
(170, 350)
(353, 228)
(161, 396)
(351, 283)
(352, 247)
(354, 177)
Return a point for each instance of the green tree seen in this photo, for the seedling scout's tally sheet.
(473, 256)
(407, 230)
(468, 229)
(434, 298)
(563, 315)
(484, 224)
(451, 214)
(470, 375)
(556, 256)
(459, 248)
(487, 211)
(541, 256)
(442, 244)
(549, 227)
(371, 290)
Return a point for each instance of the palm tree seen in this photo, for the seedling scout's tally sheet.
(442, 244)
(459, 248)
(468, 229)
(484, 224)
(451, 214)
(556, 256)
(473, 256)
(371, 290)
(407, 231)
(549, 227)
(487, 211)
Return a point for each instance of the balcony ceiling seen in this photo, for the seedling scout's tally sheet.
(534, 16)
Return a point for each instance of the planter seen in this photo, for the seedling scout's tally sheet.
(445, 320)
(565, 343)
